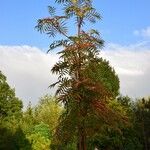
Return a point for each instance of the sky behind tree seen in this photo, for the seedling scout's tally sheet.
(120, 21)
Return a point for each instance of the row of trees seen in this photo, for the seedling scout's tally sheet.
(36, 128)
(31, 129)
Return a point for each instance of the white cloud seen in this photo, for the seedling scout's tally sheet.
(28, 69)
(132, 64)
(143, 32)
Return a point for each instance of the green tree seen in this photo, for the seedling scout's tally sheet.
(40, 137)
(20, 140)
(81, 89)
(39, 122)
(10, 105)
(28, 120)
(128, 138)
(48, 111)
(11, 135)
(142, 112)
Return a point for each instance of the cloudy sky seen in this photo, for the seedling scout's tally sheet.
(125, 27)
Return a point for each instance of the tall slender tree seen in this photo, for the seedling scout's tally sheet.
(84, 94)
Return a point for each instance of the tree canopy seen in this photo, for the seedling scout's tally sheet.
(10, 105)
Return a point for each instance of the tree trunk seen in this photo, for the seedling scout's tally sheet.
(81, 140)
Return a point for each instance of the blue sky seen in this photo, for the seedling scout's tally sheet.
(120, 19)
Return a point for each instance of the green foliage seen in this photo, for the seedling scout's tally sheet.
(28, 120)
(11, 136)
(35, 128)
(102, 72)
(38, 142)
(20, 140)
(39, 122)
(43, 130)
(48, 111)
(40, 137)
(127, 138)
(6, 137)
(10, 105)
(142, 112)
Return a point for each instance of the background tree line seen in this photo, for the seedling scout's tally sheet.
(35, 127)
